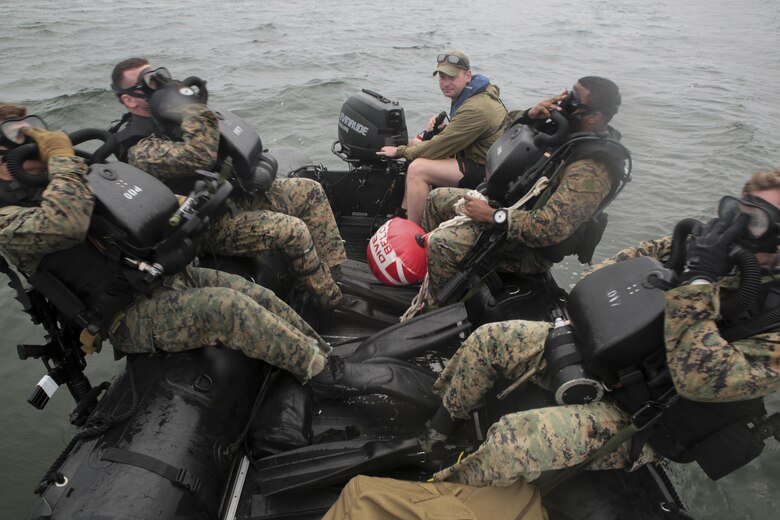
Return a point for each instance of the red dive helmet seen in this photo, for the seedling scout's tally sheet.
(397, 253)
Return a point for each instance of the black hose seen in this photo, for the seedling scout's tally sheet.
(95, 134)
(195, 81)
(561, 131)
(683, 228)
(749, 283)
(16, 157)
(750, 272)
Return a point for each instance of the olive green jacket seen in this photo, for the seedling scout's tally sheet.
(477, 124)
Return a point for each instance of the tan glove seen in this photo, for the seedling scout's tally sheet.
(50, 144)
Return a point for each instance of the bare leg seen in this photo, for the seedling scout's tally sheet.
(421, 175)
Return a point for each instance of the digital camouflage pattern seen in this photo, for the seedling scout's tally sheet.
(703, 365)
(61, 221)
(508, 348)
(524, 444)
(203, 307)
(293, 217)
(166, 159)
(659, 248)
(706, 367)
(584, 184)
(196, 308)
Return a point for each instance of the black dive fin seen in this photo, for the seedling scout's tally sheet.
(398, 379)
(408, 382)
(333, 462)
(359, 281)
(358, 309)
(410, 338)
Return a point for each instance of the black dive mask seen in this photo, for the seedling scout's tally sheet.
(11, 135)
(762, 233)
(572, 103)
(149, 80)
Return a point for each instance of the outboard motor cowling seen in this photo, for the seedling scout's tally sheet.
(369, 121)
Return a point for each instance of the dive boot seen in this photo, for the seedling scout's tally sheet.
(317, 281)
(437, 430)
(399, 379)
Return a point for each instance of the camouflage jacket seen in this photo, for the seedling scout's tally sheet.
(704, 366)
(27, 234)
(167, 159)
(583, 185)
(477, 124)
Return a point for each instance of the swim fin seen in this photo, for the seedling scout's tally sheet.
(334, 462)
(399, 379)
(410, 338)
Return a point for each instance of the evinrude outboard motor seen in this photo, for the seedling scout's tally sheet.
(373, 186)
(369, 121)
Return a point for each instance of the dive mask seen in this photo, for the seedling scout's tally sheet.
(763, 229)
(11, 134)
(572, 103)
(149, 80)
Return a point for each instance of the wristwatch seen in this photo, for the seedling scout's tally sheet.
(500, 216)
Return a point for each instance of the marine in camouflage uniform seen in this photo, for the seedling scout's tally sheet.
(583, 186)
(704, 367)
(293, 217)
(198, 307)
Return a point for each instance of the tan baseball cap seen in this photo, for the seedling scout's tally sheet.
(451, 62)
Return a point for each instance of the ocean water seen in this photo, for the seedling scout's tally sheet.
(699, 80)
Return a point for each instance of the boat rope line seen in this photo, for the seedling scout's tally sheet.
(96, 425)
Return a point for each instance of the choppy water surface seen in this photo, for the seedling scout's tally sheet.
(700, 112)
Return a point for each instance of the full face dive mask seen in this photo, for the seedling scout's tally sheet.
(762, 234)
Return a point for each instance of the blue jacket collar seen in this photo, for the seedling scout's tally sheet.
(477, 84)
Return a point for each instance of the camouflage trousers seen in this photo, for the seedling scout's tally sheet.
(374, 498)
(524, 444)
(448, 246)
(203, 307)
(508, 348)
(293, 218)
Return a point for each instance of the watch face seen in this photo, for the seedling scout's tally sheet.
(499, 216)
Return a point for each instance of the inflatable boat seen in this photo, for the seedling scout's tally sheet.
(211, 434)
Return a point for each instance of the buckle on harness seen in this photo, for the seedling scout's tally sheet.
(652, 410)
(186, 480)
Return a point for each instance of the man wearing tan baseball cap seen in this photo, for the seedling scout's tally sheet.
(452, 154)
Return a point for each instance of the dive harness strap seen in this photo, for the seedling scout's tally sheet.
(179, 477)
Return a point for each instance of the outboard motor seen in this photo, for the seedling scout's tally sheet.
(372, 187)
(369, 121)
